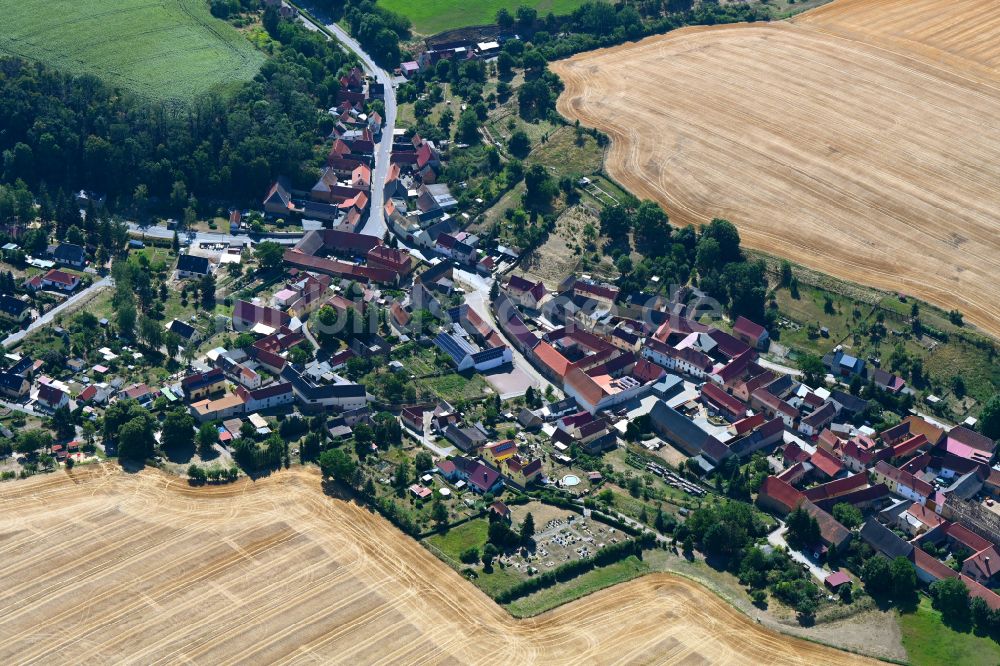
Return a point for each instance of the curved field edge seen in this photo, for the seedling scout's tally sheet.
(275, 569)
(172, 50)
(899, 231)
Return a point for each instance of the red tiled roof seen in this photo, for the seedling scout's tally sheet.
(931, 565)
(976, 590)
(548, 356)
(594, 289)
(60, 277)
(720, 399)
(909, 446)
(795, 453)
(825, 462)
(736, 368)
(836, 579)
(970, 539)
(585, 386)
(774, 403)
(746, 425)
(744, 326)
(837, 487)
(971, 438)
(50, 394)
(781, 492)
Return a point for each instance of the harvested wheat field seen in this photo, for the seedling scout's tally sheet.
(861, 138)
(102, 566)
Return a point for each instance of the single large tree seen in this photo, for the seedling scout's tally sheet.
(803, 530)
(207, 437)
(528, 529)
(268, 255)
(177, 430)
(989, 418)
(336, 464)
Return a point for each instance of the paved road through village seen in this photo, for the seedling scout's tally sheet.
(376, 225)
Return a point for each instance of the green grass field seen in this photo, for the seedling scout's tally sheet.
(581, 586)
(433, 16)
(458, 539)
(170, 50)
(454, 386)
(928, 641)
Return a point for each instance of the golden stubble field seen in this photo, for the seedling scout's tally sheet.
(861, 138)
(100, 566)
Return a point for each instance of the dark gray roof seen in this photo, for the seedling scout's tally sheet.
(14, 307)
(849, 403)
(321, 391)
(684, 433)
(884, 541)
(68, 253)
(190, 263)
(182, 329)
(11, 381)
(781, 386)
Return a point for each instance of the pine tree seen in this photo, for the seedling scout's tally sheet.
(527, 528)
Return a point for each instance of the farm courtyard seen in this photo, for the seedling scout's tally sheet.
(100, 565)
(840, 140)
(172, 50)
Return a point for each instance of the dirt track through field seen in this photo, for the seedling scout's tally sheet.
(100, 566)
(861, 138)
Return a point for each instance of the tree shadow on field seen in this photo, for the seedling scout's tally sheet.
(132, 466)
(340, 491)
(179, 453)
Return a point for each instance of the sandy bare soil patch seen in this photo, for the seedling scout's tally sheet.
(100, 566)
(861, 139)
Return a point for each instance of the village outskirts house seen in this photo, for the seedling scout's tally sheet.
(60, 281)
(51, 398)
(14, 308)
(190, 265)
(13, 385)
(68, 254)
(525, 293)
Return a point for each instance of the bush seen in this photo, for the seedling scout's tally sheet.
(469, 555)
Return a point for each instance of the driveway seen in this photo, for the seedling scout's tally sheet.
(777, 367)
(424, 438)
(777, 539)
(47, 318)
(478, 298)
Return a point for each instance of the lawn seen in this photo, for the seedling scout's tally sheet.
(433, 16)
(565, 153)
(455, 387)
(581, 586)
(171, 50)
(928, 641)
(418, 360)
(458, 539)
(809, 308)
